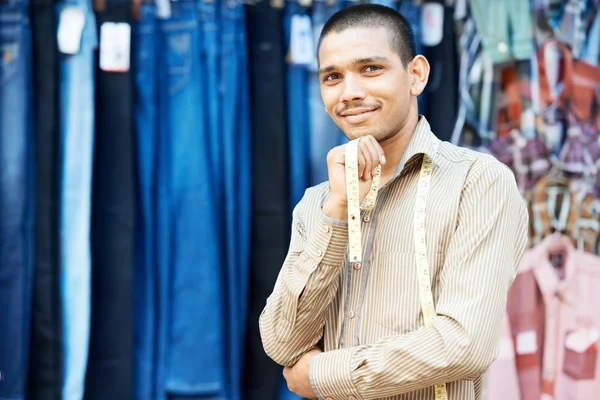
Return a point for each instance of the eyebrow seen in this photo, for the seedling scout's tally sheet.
(356, 61)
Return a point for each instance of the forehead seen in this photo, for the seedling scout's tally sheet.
(341, 47)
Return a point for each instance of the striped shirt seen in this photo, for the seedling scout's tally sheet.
(367, 316)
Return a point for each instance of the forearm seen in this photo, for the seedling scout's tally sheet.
(292, 321)
(441, 353)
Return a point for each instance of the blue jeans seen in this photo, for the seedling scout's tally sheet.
(324, 134)
(190, 327)
(236, 173)
(77, 132)
(298, 113)
(145, 309)
(16, 198)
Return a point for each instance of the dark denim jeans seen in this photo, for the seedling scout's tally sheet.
(45, 358)
(16, 197)
(110, 364)
(144, 62)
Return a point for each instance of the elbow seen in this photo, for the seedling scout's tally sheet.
(274, 347)
(473, 360)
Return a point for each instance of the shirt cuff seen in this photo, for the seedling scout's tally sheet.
(329, 241)
(330, 375)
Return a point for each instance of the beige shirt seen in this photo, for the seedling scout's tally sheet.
(367, 316)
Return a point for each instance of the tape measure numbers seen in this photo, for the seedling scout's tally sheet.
(354, 229)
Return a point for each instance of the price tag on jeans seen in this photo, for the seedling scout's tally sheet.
(432, 21)
(70, 29)
(302, 46)
(115, 43)
(163, 9)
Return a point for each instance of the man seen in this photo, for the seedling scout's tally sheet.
(348, 330)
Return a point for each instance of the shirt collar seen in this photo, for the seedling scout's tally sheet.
(546, 276)
(423, 141)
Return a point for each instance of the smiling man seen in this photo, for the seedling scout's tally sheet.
(355, 330)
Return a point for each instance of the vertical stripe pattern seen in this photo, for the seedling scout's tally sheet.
(368, 316)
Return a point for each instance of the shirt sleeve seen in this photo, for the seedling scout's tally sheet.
(480, 265)
(292, 321)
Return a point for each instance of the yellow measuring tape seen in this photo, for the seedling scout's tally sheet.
(354, 229)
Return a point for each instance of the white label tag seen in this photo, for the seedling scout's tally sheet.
(526, 343)
(115, 40)
(301, 47)
(432, 22)
(163, 9)
(70, 29)
(581, 340)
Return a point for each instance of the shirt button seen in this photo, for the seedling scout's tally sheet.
(320, 253)
(357, 265)
(366, 218)
(328, 229)
(502, 47)
(351, 314)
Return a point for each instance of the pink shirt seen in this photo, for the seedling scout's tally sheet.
(549, 342)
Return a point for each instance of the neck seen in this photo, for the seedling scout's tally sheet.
(395, 146)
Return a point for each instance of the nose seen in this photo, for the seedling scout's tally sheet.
(352, 91)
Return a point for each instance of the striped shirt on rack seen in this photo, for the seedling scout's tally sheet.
(367, 316)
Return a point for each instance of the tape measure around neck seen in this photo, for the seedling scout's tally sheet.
(355, 237)
(422, 262)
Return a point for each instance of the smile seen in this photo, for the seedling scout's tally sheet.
(356, 118)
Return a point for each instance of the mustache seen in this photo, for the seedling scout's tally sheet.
(364, 105)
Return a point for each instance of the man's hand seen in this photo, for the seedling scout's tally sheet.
(370, 155)
(297, 377)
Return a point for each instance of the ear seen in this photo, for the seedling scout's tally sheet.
(418, 68)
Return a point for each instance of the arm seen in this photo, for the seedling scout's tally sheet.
(292, 322)
(480, 266)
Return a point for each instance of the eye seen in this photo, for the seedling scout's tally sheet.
(372, 68)
(331, 77)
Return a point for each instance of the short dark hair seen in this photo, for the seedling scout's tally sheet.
(400, 33)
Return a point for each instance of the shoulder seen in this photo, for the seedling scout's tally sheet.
(479, 167)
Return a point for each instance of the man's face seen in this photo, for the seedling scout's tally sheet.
(364, 86)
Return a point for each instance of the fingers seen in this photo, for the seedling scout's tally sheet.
(362, 163)
(373, 154)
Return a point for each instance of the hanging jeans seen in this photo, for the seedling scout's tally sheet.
(45, 357)
(77, 138)
(270, 193)
(144, 278)
(190, 327)
(109, 372)
(235, 175)
(298, 112)
(16, 198)
(324, 133)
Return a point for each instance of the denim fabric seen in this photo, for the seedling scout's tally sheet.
(208, 15)
(298, 113)
(235, 171)
(16, 198)
(270, 193)
(45, 359)
(190, 344)
(145, 307)
(110, 364)
(77, 136)
(324, 134)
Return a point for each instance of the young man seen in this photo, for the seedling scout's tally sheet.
(355, 330)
